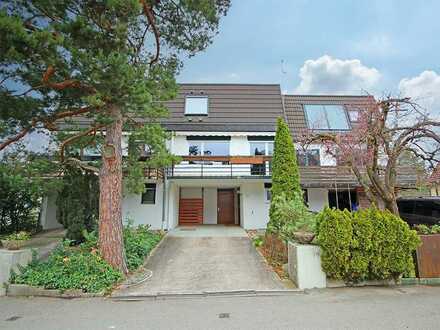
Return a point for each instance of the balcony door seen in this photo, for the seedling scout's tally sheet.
(225, 207)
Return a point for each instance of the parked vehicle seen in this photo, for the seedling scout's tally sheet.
(422, 210)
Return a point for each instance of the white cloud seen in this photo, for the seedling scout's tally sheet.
(328, 75)
(423, 89)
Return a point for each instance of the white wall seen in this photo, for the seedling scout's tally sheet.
(150, 214)
(210, 206)
(48, 216)
(317, 198)
(255, 208)
(179, 145)
(191, 193)
(172, 206)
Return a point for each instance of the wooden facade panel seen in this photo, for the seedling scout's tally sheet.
(428, 256)
(191, 211)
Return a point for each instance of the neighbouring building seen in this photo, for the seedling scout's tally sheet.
(434, 181)
(224, 134)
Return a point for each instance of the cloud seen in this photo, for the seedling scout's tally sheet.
(423, 89)
(328, 75)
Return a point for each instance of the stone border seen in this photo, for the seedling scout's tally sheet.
(420, 281)
(24, 290)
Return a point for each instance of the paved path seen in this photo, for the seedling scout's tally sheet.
(206, 259)
(355, 308)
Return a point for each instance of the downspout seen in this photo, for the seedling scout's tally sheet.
(164, 193)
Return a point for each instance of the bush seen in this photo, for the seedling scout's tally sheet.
(70, 268)
(291, 216)
(19, 202)
(81, 267)
(138, 241)
(78, 203)
(426, 230)
(368, 244)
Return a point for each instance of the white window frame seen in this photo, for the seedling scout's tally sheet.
(323, 106)
(202, 146)
(195, 113)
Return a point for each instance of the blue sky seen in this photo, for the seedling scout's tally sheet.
(343, 47)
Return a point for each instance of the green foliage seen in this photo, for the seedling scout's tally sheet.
(366, 244)
(285, 172)
(21, 193)
(258, 241)
(427, 230)
(290, 216)
(78, 203)
(138, 241)
(70, 268)
(20, 236)
(81, 267)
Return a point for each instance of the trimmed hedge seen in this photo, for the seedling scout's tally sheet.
(369, 244)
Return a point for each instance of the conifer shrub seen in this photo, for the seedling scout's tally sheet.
(369, 244)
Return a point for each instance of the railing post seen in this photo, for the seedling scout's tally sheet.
(201, 167)
(230, 163)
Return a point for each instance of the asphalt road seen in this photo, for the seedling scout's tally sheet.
(359, 308)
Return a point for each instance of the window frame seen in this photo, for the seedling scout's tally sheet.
(188, 97)
(323, 107)
(149, 186)
(306, 154)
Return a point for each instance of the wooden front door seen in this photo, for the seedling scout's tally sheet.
(225, 207)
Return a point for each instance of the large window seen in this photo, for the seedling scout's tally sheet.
(308, 157)
(261, 148)
(208, 148)
(196, 105)
(329, 117)
(149, 196)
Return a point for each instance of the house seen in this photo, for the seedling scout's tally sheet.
(224, 134)
(434, 181)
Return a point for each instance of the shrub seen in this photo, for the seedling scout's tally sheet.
(20, 236)
(426, 230)
(19, 202)
(81, 267)
(285, 173)
(366, 244)
(292, 216)
(70, 268)
(78, 203)
(138, 241)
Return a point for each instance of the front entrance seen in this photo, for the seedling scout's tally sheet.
(225, 206)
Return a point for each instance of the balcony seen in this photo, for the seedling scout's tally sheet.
(221, 167)
(258, 167)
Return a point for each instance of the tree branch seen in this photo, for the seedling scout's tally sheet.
(150, 17)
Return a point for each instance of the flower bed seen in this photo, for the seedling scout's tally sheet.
(81, 267)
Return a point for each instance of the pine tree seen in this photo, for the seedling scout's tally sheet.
(109, 63)
(285, 172)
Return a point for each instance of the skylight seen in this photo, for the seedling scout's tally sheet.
(330, 117)
(196, 105)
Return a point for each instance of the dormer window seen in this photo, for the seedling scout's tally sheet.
(196, 105)
(326, 117)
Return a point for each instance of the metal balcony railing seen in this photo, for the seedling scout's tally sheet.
(221, 167)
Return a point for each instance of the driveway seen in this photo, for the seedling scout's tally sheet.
(206, 258)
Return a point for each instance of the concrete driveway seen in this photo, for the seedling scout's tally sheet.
(205, 258)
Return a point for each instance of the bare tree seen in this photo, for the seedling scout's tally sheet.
(386, 129)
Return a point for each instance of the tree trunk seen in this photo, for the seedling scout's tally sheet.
(111, 243)
(392, 206)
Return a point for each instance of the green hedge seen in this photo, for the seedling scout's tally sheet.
(369, 244)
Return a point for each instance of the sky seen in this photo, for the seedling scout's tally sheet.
(327, 47)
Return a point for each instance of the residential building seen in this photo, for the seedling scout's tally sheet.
(224, 134)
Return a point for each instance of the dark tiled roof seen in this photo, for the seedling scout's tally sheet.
(294, 110)
(435, 176)
(232, 107)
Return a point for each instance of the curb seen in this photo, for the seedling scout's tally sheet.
(24, 290)
(206, 294)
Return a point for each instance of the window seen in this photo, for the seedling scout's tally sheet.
(196, 105)
(208, 148)
(149, 195)
(331, 117)
(354, 115)
(261, 148)
(308, 157)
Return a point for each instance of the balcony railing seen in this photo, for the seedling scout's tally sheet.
(221, 167)
(206, 167)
